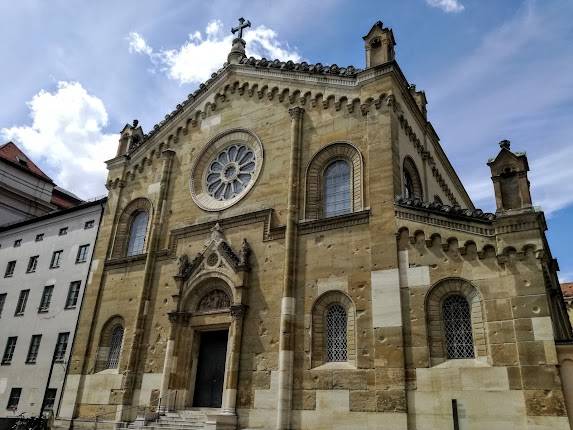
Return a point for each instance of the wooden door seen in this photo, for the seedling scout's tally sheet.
(211, 369)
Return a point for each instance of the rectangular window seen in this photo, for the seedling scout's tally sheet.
(73, 293)
(40, 237)
(82, 254)
(22, 300)
(14, 399)
(50, 399)
(89, 224)
(2, 302)
(56, 256)
(61, 347)
(32, 264)
(63, 231)
(9, 350)
(46, 298)
(17, 243)
(34, 348)
(10, 269)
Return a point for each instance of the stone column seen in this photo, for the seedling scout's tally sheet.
(286, 340)
(232, 365)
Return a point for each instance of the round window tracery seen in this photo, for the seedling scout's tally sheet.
(226, 169)
(230, 172)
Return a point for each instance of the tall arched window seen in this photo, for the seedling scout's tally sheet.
(458, 327)
(336, 344)
(137, 232)
(337, 189)
(408, 185)
(115, 347)
(411, 180)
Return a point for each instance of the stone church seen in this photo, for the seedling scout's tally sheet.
(290, 248)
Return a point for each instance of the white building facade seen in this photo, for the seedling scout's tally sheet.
(44, 265)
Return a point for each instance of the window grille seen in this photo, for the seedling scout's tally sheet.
(336, 346)
(115, 347)
(137, 233)
(458, 327)
(337, 189)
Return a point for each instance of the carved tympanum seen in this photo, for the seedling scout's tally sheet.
(215, 299)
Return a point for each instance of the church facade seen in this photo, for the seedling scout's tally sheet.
(291, 249)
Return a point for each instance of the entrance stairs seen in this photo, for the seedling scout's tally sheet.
(191, 419)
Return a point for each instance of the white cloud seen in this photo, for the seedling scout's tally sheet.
(201, 55)
(137, 44)
(67, 137)
(448, 6)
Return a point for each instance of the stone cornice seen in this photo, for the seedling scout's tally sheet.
(331, 223)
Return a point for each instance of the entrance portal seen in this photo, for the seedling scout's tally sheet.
(210, 369)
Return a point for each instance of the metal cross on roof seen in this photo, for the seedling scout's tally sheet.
(242, 25)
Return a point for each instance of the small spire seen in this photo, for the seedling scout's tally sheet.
(505, 144)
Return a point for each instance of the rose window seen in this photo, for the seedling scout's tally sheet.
(230, 172)
(226, 169)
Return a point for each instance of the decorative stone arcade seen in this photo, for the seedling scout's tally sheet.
(210, 304)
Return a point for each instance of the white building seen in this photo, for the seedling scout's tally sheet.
(44, 264)
(25, 190)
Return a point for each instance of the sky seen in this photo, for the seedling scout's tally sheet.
(75, 72)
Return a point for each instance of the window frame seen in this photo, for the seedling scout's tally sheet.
(63, 231)
(331, 351)
(32, 264)
(39, 237)
(34, 349)
(17, 243)
(55, 262)
(9, 350)
(61, 347)
(10, 406)
(89, 224)
(453, 352)
(82, 255)
(46, 299)
(22, 303)
(51, 394)
(114, 354)
(11, 265)
(3, 297)
(73, 293)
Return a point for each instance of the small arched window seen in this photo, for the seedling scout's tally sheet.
(337, 199)
(115, 347)
(137, 233)
(412, 184)
(336, 325)
(458, 327)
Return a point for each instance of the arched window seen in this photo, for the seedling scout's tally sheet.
(334, 179)
(337, 199)
(137, 232)
(455, 317)
(115, 347)
(412, 184)
(336, 326)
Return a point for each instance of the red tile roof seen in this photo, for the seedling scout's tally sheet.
(567, 288)
(15, 156)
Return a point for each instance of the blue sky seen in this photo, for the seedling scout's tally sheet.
(76, 71)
